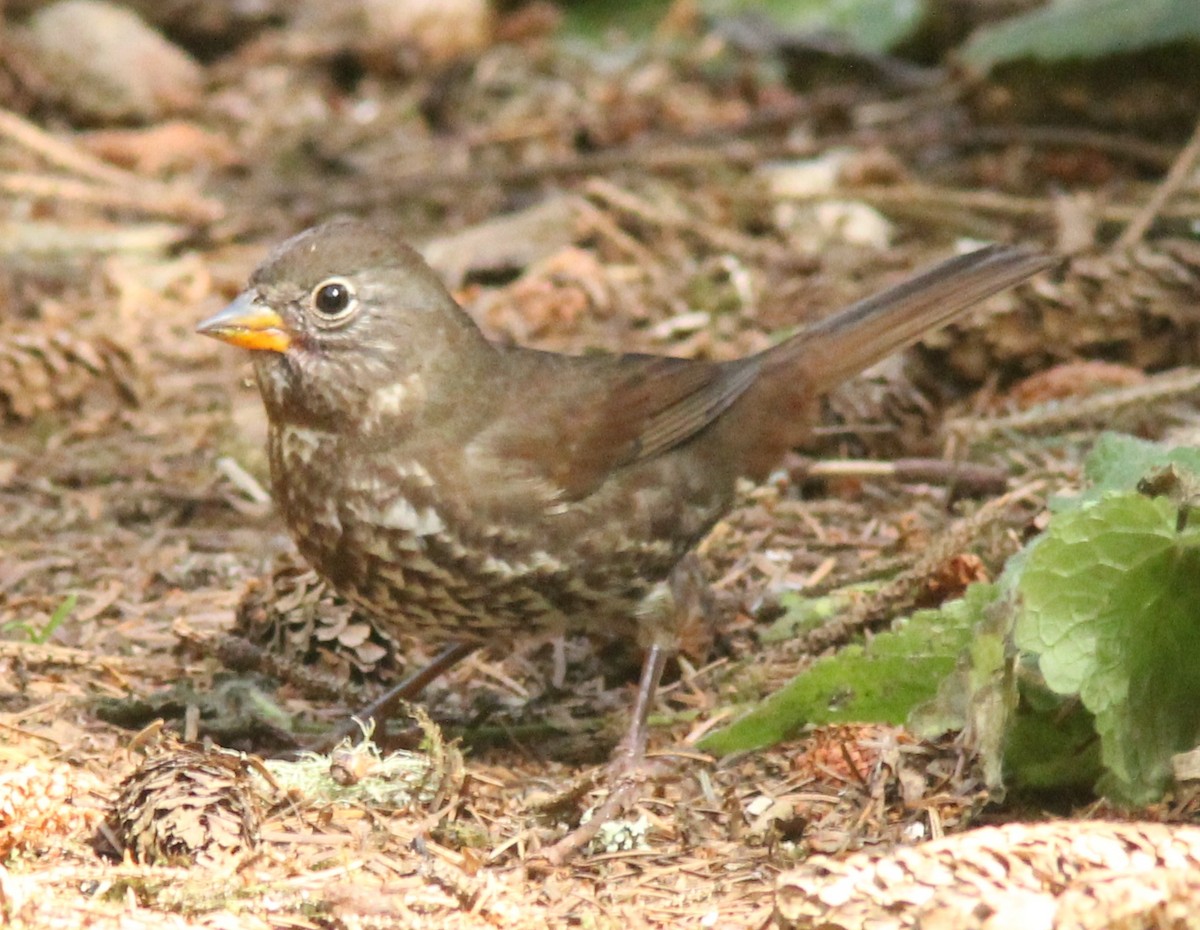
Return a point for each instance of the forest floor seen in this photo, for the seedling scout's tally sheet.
(675, 197)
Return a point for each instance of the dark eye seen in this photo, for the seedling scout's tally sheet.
(333, 299)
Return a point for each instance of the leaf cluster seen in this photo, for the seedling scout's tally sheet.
(1080, 666)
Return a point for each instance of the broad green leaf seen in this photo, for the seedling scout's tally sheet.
(1084, 29)
(1111, 607)
(872, 25)
(882, 680)
(1051, 742)
(980, 696)
(1118, 462)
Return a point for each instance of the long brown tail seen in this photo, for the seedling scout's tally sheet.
(859, 336)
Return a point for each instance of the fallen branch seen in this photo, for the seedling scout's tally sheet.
(966, 477)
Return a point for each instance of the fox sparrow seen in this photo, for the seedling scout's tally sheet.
(472, 492)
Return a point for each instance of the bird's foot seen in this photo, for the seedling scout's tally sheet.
(605, 826)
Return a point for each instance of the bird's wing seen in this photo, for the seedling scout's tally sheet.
(577, 420)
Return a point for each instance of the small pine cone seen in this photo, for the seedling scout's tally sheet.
(1135, 307)
(41, 371)
(296, 617)
(188, 805)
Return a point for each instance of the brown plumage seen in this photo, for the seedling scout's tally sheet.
(471, 492)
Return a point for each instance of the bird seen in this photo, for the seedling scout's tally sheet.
(472, 492)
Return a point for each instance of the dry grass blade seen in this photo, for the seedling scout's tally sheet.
(1171, 184)
(59, 153)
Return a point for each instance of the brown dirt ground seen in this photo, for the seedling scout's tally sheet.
(131, 461)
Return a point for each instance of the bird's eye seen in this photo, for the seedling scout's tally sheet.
(334, 299)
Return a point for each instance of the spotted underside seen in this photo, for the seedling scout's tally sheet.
(387, 538)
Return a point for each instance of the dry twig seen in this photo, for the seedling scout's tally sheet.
(1175, 179)
(963, 476)
(900, 590)
(718, 237)
(1060, 414)
(96, 183)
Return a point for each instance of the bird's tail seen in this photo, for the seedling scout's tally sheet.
(866, 332)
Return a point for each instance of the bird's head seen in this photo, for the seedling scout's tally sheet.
(339, 313)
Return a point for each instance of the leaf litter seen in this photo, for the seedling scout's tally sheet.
(663, 237)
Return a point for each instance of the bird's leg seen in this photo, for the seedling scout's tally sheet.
(385, 705)
(624, 769)
(687, 597)
(687, 592)
(633, 747)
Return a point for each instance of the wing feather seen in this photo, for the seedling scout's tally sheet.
(586, 417)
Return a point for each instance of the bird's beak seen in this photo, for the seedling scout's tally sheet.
(249, 324)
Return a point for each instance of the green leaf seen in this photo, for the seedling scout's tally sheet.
(1111, 606)
(880, 681)
(41, 634)
(980, 696)
(1051, 742)
(1118, 462)
(871, 25)
(61, 612)
(804, 614)
(1084, 29)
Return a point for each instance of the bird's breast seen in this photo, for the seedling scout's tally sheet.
(390, 537)
(393, 406)
(305, 479)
